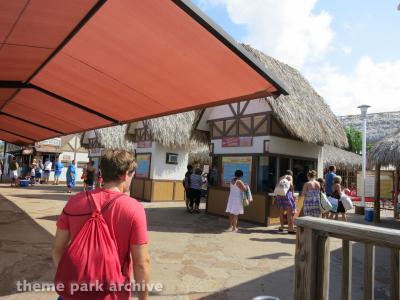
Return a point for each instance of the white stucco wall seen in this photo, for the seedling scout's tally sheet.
(161, 170)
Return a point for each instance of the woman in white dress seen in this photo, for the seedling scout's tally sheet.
(235, 205)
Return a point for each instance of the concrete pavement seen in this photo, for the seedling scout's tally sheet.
(191, 255)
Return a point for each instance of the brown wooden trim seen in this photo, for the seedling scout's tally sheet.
(265, 119)
(232, 109)
(244, 108)
(245, 116)
(230, 127)
(244, 125)
(237, 108)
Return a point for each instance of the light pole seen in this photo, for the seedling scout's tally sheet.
(364, 109)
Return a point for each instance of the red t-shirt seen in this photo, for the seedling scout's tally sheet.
(126, 220)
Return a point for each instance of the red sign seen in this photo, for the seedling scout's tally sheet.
(237, 141)
(144, 144)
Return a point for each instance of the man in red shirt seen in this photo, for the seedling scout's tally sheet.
(125, 218)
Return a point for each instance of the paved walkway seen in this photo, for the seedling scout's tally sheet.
(192, 256)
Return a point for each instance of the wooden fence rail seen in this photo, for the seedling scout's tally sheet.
(313, 256)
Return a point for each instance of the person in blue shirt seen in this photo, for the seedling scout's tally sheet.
(329, 178)
(71, 176)
(57, 171)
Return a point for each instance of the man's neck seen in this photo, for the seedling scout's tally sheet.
(114, 186)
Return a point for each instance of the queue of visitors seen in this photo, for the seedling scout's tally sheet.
(193, 184)
(323, 197)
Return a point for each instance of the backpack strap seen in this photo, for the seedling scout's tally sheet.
(105, 206)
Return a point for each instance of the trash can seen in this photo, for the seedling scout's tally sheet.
(369, 214)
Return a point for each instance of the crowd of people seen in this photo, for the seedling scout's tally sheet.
(40, 173)
(314, 192)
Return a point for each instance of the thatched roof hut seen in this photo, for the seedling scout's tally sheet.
(303, 112)
(340, 158)
(174, 131)
(387, 151)
(379, 125)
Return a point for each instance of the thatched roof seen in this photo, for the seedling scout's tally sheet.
(174, 131)
(115, 137)
(340, 158)
(200, 156)
(303, 112)
(387, 151)
(379, 125)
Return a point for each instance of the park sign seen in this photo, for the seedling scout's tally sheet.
(50, 142)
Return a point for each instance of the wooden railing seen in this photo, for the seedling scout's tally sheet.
(313, 257)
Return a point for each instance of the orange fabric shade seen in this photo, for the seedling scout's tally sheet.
(78, 65)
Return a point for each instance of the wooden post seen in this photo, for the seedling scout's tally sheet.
(322, 267)
(305, 265)
(394, 278)
(346, 269)
(377, 202)
(396, 193)
(369, 271)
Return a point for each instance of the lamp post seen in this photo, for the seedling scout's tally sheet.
(364, 109)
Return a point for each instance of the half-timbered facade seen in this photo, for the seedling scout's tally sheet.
(248, 136)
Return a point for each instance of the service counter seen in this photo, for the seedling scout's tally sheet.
(157, 190)
(262, 210)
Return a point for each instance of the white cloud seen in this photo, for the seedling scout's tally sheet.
(285, 29)
(347, 50)
(375, 84)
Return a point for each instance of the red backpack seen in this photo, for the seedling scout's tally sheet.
(91, 261)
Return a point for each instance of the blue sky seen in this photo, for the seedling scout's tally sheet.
(348, 50)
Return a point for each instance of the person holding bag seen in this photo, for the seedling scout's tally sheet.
(286, 203)
(337, 194)
(235, 201)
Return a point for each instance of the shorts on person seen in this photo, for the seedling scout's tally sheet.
(13, 174)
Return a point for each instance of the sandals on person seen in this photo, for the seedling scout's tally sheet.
(291, 232)
(281, 229)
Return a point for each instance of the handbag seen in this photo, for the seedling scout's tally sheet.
(346, 201)
(334, 202)
(247, 197)
(324, 204)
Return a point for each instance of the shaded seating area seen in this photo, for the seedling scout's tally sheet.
(386, 153)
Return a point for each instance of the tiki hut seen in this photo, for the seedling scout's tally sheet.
(265, 137)
(386, 152)
(303, 112)
(347, 163)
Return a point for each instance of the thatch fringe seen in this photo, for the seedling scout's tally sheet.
(200, 156)
(387, 151)
(115, 137)
(340, 158)
(303, 112)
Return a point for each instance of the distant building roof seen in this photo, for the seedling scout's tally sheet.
(379, 125)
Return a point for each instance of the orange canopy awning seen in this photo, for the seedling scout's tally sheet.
(67, 66)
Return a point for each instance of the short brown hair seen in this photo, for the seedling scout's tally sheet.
(331, 168)
(115, 163)
(312, 174)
